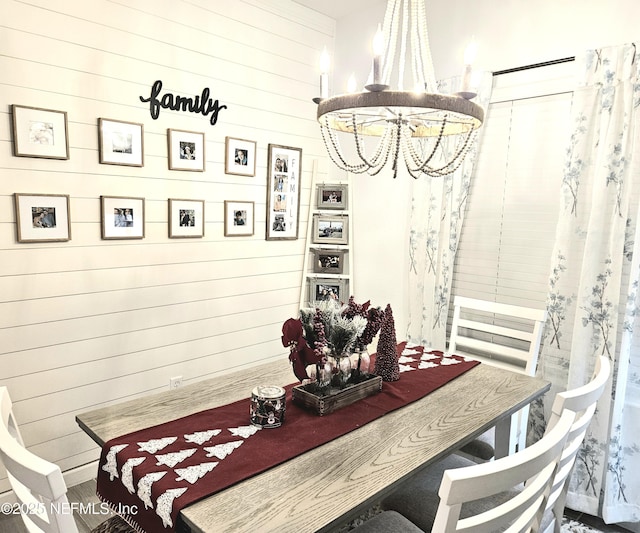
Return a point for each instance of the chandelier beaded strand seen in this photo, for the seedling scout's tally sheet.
(431, 131)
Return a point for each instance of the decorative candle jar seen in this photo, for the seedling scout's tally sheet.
(268, 406)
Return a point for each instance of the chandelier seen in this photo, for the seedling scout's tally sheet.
(431, 132)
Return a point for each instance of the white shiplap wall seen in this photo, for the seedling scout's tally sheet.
(88, 322)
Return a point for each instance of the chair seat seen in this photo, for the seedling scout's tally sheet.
(388, 522)
(418, 499)
(482, 447)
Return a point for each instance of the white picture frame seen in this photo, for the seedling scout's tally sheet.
(39, 132)
(122, 217)
(186, 150)
(120, 142)
(239, 218)
(240, 157)
(42, 217)
(186, 218)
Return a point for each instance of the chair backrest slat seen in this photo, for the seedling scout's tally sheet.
(501, 334)
(37, 483)
(534, 466)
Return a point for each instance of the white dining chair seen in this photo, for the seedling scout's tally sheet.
(506, 494)
(505, 336)
(38, 485)
(417, 500)
(582, 401)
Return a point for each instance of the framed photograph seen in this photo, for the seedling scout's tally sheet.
(283, 192)
(328, 261)
(186, 150)
(39, 132)
(332, 196)
(240, 157)
(121, 143)
(328, 289)
(186, 218)
(238, 218)
(122, 218)
(42, 217)
(330, 229)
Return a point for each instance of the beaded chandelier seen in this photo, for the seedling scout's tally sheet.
(432, 132)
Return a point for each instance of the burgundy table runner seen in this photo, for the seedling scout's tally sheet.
(148, 476)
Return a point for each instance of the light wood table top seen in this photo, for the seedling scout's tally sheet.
(321, 489)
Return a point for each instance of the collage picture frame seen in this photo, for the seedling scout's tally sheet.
(39, 132)
(42, 217)
(283, 192)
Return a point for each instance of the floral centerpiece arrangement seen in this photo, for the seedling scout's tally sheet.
(328, 343)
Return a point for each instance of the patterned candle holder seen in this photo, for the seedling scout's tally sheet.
(268, 406)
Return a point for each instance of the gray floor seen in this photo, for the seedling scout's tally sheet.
(576, 521)
(84, 494)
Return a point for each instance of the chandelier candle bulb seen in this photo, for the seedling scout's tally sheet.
(469, 57)
(378, 49)
(351, 84)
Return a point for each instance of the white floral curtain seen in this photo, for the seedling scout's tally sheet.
(437, 211)
(593, 299)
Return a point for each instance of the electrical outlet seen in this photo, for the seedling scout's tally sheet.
(175, 382)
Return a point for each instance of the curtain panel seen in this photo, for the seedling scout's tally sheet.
(593, 300)
(437, 212)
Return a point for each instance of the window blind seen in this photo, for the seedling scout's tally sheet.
(505, 247)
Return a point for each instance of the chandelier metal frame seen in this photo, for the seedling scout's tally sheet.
(432, 132)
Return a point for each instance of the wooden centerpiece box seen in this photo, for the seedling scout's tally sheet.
(329, 399)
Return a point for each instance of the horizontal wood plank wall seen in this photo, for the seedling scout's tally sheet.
(88, 322)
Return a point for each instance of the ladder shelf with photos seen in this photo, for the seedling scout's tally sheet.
(328, 268)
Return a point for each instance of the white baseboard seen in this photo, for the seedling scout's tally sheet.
(72, 477)
(7, 497)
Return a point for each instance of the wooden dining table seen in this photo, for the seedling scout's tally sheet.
(325, 487)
